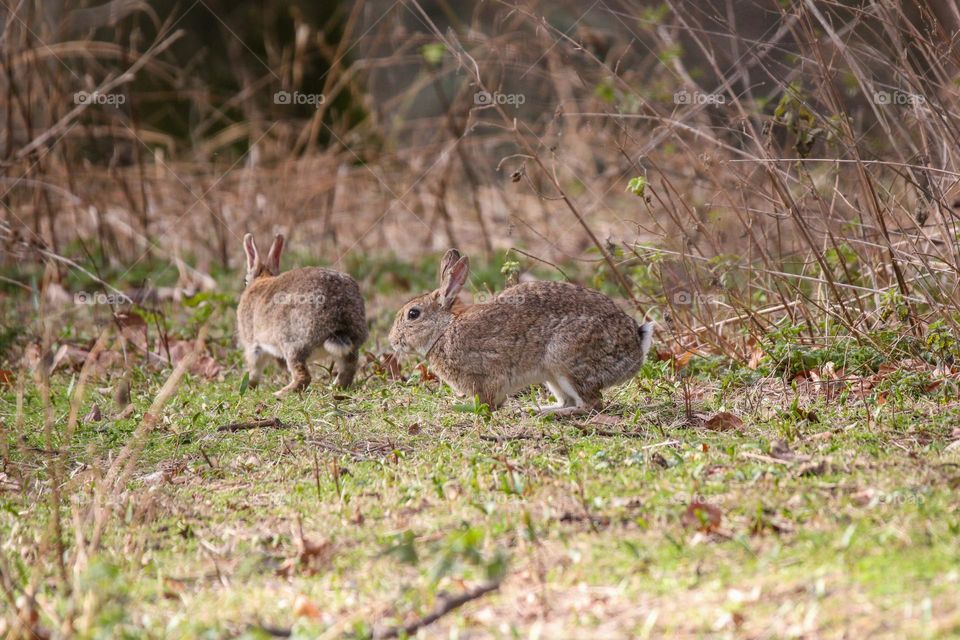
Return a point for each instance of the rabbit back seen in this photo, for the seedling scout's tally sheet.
(303, 310)
(541, 331)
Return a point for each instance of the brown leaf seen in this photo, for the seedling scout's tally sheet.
(205, 366)
(6, 378)
(303, 607)
(387, 364)
(94, 414)
(130, 320)
(606, 420)
(724, 421)
(133, 327)
(414, 429)
(69, 356)
(311, 556)
(702, 516)
(756, 356)
(685, 356)
(425, 374)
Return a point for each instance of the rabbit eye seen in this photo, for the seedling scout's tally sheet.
(413, 314)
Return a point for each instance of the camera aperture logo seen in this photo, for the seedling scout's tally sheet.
(112, 99)
(299, 98)
(486, 99)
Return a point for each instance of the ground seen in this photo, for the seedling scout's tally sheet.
(708, 500)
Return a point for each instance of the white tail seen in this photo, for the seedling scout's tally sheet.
(646, 337)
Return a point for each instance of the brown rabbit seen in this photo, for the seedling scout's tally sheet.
(291, 315)
(574, 340)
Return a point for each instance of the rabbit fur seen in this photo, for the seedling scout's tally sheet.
(291, 315)
(574, 340)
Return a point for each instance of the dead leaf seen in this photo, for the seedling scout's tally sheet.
(6, 378)
(414, 429)
(702, 516)
(425, 374)
(133, 327)
(93, 415)
(756, 356)
(303, 607)
(69, 356)
(724, 421)
(387, 364)
(311, 558)
(685, 356)
(205, 365)
(829, 371)
(605, 419)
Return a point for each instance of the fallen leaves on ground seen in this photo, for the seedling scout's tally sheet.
(311, 558)
(304, 607)
(386, 364)
(425, 374)
(724, 421)
(605, 419)
(702, 516)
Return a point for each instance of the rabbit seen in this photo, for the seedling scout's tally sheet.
(574, 340)
(290, 315)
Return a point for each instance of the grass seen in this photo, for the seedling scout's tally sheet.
(837, 514)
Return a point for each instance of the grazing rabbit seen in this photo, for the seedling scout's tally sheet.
(574, 340)
(290, 315)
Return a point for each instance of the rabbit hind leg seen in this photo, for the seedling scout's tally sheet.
(569, 400)
(299, 373)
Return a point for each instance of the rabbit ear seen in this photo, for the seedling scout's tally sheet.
(273, 258)
(453, 280)
(251, 248)
(449, 259)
